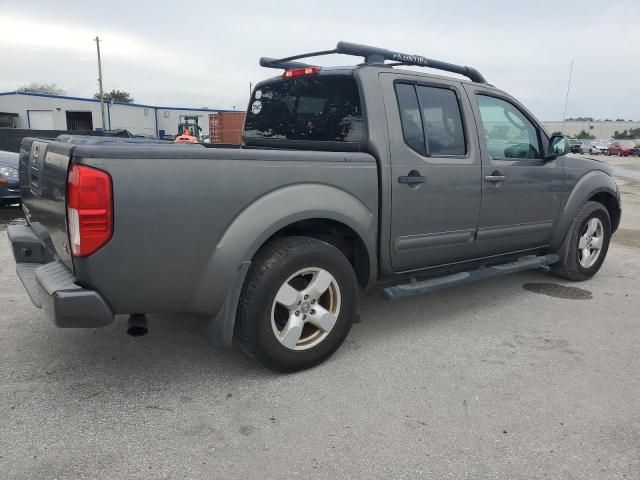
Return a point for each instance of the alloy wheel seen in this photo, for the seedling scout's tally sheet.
(590, 243)
(306, 308)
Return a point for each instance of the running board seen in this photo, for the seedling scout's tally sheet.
(426, 286)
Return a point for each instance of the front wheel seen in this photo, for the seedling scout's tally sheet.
(297, 305)
(589, 237)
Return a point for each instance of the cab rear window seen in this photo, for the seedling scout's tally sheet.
(320, 108)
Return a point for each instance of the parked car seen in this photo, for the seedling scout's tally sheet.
(575, 145)
(9, 187)
(350, 177)
(599, 147)
(621, 148)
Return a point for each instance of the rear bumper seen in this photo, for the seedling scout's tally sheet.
(51, 285)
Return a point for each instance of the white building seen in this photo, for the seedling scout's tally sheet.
(58, 112)
(598, 128)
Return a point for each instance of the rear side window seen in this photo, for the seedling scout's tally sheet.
(431, 115)
(412, 130)
(442, 121)
(320, 108)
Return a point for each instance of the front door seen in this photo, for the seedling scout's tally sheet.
(435, 172)
(521, 191)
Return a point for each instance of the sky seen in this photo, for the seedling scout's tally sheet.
(169, 53)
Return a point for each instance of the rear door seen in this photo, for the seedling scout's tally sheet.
(521, 191)
(435, 171)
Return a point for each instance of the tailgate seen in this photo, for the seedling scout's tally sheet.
(43, 183)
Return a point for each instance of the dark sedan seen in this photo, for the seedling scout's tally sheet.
(9, 187)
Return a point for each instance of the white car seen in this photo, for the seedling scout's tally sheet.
(599, 147)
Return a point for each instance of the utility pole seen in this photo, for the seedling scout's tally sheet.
(566, 100)
(97, 40)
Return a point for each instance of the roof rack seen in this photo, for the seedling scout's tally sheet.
(375, 56)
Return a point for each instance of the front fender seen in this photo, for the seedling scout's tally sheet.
(587, 186)
(268, 214)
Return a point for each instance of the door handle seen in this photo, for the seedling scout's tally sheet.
(412, 179)
(495, 177)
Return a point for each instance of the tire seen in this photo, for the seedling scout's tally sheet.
(571, 266)
(266, 329)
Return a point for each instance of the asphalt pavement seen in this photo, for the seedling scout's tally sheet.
(520, 377)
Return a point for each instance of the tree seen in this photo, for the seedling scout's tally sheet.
(580, 119)
(627, 134)
(116, 96)
(48, 88)
(556, 134)
(585, 136)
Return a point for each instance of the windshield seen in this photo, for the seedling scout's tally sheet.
(320, 108)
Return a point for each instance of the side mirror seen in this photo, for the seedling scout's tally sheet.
(558, 145)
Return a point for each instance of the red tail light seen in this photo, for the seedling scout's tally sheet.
(89, 209)
(300, 72)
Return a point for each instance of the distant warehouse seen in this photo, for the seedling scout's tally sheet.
(57, 112)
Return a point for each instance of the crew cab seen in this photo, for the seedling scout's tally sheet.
(349, 177)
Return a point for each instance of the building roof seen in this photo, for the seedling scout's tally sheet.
(83, 99)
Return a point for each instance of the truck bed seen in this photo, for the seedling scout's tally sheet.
(180, 209)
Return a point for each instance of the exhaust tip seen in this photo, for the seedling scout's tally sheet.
(137, 325)
(137, 331)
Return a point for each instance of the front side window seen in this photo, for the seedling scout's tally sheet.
(508, 132)
(431, 115)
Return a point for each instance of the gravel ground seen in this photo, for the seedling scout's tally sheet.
(520, 377)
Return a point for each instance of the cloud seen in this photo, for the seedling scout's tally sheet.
(207, 55)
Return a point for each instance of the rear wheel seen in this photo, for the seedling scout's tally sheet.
(297, 305)
(588, 243)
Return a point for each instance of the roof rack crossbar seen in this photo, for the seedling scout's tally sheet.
(269, 62)
(287, 62)
(376, 56)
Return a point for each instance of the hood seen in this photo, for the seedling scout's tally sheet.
(8, 159)
(590, 163)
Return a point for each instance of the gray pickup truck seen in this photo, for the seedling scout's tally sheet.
(349, 177)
